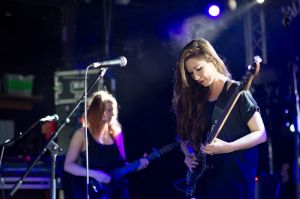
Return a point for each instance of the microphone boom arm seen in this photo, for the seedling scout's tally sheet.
(20, 136)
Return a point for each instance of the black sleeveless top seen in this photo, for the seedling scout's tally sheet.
(103, 157)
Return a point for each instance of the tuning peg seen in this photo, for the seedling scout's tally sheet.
(257, 59)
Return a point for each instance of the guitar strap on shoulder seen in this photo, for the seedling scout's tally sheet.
(218, 109)
(219, 106)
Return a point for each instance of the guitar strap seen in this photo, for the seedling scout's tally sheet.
(218, 109)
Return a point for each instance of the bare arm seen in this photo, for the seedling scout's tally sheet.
(118, 137)
(258, 135)
(70, 165)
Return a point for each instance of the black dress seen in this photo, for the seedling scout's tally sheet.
(233, 176)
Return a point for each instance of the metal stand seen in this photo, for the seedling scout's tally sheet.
(7, 142)
(293, 91)
(2, 183)
(50, 143)
(54, 150)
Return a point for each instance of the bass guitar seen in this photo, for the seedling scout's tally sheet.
(118, 173)
(104, 191)
(204, 166)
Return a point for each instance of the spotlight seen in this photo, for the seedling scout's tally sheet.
(260, 1)
(214, 10)
(232, 4)
(292, 128)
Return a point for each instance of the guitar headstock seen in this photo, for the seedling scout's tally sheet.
(253, 71)
(255, 67)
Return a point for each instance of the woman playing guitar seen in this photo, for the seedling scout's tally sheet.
(202, 89)
(106, 152)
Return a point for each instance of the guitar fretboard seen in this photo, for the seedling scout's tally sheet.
(120, 172)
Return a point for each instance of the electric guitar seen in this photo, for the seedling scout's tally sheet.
(204, 166)
(102, 190)
(118, 173)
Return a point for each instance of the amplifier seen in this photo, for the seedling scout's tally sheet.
(32, 187)
(69, 85)
(38, 178)
(28, 182)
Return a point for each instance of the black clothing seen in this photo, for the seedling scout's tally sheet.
(101, 157)
(234, 173)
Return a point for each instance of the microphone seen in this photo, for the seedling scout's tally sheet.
(49, 118)
(122, 61)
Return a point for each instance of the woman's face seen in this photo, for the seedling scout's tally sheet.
(108, 112)
(201, 71)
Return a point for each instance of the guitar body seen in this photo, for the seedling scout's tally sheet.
(75, 185)
(107, 191)
(74, 188)
(200, 173)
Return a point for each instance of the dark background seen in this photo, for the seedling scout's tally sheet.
(41, 37)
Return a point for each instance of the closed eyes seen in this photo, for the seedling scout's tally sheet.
(198, 68)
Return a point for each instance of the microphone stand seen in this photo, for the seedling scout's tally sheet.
(293, 87)
(53, 147)
(21, 135)
(2, 183)
(54, 150)
(7, 142)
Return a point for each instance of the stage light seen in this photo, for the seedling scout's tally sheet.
(260, 1)
(232, 4)
(214, 10)
(206, 26)
(292, 128)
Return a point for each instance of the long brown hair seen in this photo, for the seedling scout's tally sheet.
(96, 107)
(189, 97)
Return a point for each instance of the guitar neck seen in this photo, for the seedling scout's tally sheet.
(120, 172)
(221, 121)
(157, 153)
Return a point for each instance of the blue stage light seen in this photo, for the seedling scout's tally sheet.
(214, 10)
(260, 1)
